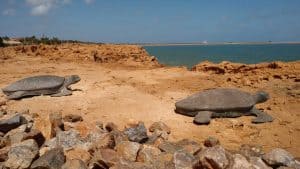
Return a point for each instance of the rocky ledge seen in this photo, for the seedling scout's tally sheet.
(23, 146)
(127, 55)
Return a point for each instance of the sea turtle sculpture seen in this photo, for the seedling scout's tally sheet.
(223, 102)
(41, 85)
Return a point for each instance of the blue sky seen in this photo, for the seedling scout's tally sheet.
(153, 20)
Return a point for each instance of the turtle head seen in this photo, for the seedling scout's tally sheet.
(72, 79)
(261, 97)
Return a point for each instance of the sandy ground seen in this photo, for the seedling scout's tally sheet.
(121, 95)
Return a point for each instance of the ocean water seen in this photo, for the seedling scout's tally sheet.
(189, 55)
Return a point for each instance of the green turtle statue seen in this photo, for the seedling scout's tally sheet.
(222, 103)
(55, 86)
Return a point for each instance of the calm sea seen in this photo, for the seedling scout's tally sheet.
(190, 55)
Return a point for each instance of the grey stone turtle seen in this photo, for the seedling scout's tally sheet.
(223, 102)
(41, 85)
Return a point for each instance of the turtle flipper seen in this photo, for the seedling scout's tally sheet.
(16, 95)
(203, 117)
(63, 92)
(261, 117)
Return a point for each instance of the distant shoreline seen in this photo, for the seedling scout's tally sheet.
(216, 43)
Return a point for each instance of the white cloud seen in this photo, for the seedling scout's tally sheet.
(89, 1)
(9, 12)
(42, 7)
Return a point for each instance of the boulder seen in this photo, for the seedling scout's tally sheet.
(278, 157)
(259, 163)
(183, 160)
(12, 123)
(137, 133)
(22, 154)
(72, 118)
(240, 161)
(52, 159)
(74, 164)
(128, 150)
(212, 158)
(159, 126)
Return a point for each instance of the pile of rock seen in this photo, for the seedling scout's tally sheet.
(22, 146)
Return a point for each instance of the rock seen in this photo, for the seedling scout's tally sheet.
(157, 134)
(56, 123)
(72, 118)
(22, 154)
(164, 160)
(159, 126)
(122, 164)
(74, 164)
(212, 158)
(148, 154)
(111, 127)
(278, 157)
(12, 123)
(4, 141)
(4, 154)
(52, 159)
(16, 135)
(2, 102)
(169, 147)
(251, 151)
(78, 153)
(137, 133)
(99, 124)
(258, 163)
(128, 150)
(240, 161)
(106, 157)
(183, 160)
(189, 146)
(118, 137)
(36, 135)
(70, 139)
(211, 141)
(105, 141)
(69, 126)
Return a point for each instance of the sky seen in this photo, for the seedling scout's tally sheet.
(153, 21)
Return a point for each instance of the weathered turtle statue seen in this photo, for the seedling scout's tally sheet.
(55, 86)
(223, 102)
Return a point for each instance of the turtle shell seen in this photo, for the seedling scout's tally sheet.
(36, 83)
(217, 100)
